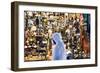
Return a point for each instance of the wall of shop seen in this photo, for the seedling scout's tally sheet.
(5, 36)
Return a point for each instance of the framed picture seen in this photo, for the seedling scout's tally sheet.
(52, 36)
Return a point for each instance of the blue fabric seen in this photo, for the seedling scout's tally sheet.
(59, 52)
